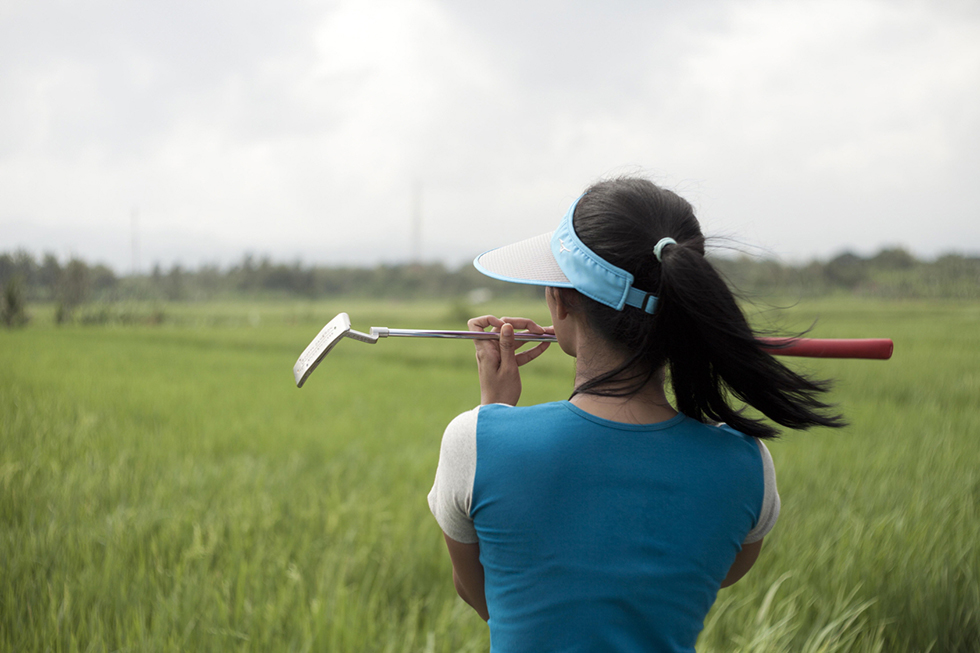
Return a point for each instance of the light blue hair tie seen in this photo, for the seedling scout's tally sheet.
(658, 249)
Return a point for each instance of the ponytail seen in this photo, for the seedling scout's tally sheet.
(698, 332)
(713, 353)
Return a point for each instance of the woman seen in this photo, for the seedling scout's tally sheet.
(608, 522)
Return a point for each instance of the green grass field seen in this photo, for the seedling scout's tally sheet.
(167, 488)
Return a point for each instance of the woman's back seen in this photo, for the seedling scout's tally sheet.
(600, 535)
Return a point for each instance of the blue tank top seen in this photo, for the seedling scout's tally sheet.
(602, 536)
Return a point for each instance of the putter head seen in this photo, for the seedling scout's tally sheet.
(329, 336)
(335, 330)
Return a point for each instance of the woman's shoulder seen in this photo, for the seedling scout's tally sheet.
(466, 423)
(745, 446)
(724, 429)
(502, 423)
(516, 411)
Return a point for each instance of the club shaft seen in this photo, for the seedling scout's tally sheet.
(460, 335)
(865, 348)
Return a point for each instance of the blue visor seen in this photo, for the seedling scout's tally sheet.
(561, 260)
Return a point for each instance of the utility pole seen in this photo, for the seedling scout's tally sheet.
(417, 222)
(134, 225)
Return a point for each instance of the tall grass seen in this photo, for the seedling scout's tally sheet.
(168, 488)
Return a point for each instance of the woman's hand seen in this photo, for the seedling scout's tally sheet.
(497, 360)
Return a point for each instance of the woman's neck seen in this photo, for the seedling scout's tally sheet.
(594, 356)
(648, 406)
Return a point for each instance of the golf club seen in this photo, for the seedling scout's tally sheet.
(339, 328)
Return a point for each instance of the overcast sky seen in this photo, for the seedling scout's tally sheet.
(301, 130)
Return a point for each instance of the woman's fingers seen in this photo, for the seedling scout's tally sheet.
(500, 381)
(498, 360)
(508, 361)
(523, 323)
(529, 355)
(530, 326)
(481, 323)
(519, 323)
(486, 350)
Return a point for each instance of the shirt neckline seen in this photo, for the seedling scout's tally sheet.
(624, 426)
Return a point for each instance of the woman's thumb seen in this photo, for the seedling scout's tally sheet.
(507, 345)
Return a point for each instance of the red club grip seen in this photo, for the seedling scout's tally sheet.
(873, 348)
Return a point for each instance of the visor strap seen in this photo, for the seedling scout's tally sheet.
(642, 300)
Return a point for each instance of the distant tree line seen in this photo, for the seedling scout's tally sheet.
(889, 273)
(73, 283)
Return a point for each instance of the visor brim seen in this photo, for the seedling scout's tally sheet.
(528, 261)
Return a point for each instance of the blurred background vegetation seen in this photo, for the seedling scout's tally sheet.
(94, 293)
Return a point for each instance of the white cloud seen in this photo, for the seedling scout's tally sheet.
(300, 130)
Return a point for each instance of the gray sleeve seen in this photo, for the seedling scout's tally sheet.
(452, 492)
(770, 499)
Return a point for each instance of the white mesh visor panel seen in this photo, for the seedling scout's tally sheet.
(529, 261)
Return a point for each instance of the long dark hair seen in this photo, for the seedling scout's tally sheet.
(698, 330)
